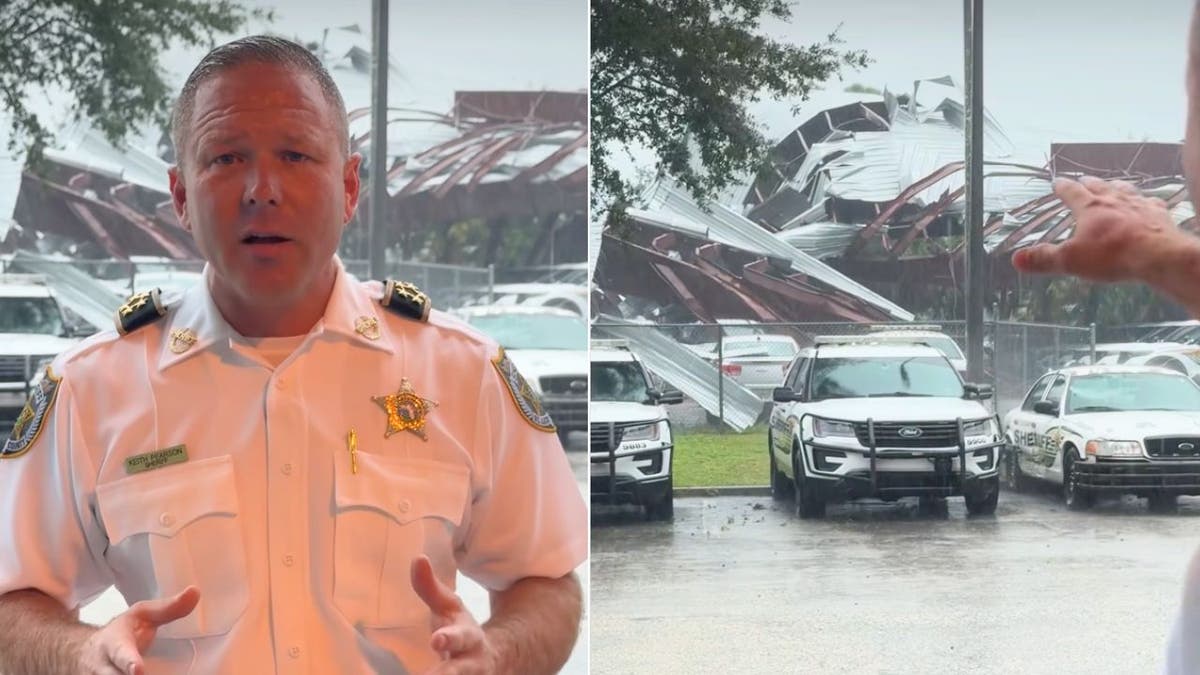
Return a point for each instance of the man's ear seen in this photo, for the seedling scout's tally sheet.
(352, 184)
(179, 197)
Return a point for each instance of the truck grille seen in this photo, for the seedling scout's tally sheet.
(887, 434)
(19, 368)
(567, 413)
(1181, 447)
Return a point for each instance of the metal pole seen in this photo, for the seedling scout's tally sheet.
(377, 225)
(1092, 342)
(721, 375)
(976, 274)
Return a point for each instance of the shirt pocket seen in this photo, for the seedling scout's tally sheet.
(177, 527)
(388, 513)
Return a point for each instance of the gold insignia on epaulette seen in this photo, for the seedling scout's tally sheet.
(140, 310)
(527, 400)
(32, 418)
(406, 299)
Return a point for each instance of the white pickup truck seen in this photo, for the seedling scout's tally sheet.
(33, 330)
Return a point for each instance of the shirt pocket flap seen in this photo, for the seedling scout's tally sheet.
(164, 501)
(403, 489)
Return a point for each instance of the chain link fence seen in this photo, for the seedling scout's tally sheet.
(752, 358)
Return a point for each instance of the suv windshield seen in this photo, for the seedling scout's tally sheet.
(621, 381)
(534, 331)
(30, 315)
(884, 376)
(1132, 391)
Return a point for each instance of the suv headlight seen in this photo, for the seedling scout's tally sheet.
(1114, 448)
(642, 432)
(981, 428)
(827, 428)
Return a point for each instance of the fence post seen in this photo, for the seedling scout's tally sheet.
(721, 377)
(1092, 339)
(491, 283)
(1024, 356)
(1057, 346)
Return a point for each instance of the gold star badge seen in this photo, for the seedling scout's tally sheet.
(405, 410)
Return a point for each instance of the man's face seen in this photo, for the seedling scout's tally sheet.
(264, 185)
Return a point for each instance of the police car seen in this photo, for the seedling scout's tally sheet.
(1107, 430)
(861, 419)
(631, 443)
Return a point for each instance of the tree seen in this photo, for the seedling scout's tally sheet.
(102, 53)
(676, 76)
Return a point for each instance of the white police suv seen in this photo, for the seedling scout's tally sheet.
(859, 419)
(1107, 430)
(630, 434)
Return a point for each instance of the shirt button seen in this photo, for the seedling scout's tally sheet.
(288, 560)
(166, 520)
(287, 469)
(281, 383)
(404, 506)
(294, 652)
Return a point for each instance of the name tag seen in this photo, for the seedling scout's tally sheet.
(176, 454)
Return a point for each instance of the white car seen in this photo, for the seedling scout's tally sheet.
(885, 420)
(630, 435)
(1184, 359)
(33, 330)
(549, 347)
(1107, 430)
(931, 336)
(758, 362)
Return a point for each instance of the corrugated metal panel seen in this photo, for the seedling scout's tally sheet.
(74, 288)
(727, 227)
(822, 240)
(683, 369)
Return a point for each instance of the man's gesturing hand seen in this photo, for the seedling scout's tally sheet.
(456, 635)
(117, 648)
(1120, 235)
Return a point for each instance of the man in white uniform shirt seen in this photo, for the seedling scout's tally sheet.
(283, 468)
(1121, 235)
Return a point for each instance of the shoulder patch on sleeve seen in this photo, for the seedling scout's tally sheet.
(140, 310)
(523, 395)
(406, 299)
(32, 418)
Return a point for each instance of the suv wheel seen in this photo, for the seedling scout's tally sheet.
(782, 488)
(663, 509)
(982, 500)
(1077, 498)
(809, 504)
(1010, 471)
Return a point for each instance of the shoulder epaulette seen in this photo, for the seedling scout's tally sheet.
(406, 299)
(140, 310)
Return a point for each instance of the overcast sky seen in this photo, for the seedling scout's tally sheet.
(441, 46)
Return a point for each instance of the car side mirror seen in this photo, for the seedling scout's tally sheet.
(978, 392)
(784, 395)
(670, 397)
(1046, 408)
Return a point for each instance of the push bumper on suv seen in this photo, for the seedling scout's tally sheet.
(884, 465)
(638, 473)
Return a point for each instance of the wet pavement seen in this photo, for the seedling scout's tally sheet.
(474, 596)
(740, 585)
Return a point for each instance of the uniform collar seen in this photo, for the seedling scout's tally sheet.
(350, 315)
